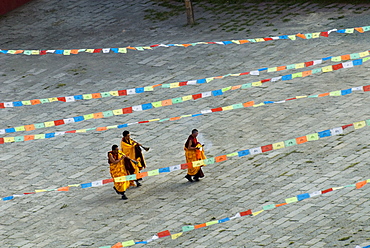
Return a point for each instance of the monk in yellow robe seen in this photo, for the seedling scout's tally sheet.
(117, 161)
(194, 152)
(132, 150)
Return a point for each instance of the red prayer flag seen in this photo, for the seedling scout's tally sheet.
(325, 34)
(1, 140)
(266, 148)
(122, 92)
(345, 126)
(110, 180)
(61, 99)
(217, 109)
(337, 66)
(196, 96)
(326, 191)
(366, 88)
(309, 63)
(183, 83)
(163, 234)
(248, 212)
(127, 110)
(59, 122)
(2, 105)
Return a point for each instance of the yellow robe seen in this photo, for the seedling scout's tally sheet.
(129, 150)
(118, 170)
(191, 156)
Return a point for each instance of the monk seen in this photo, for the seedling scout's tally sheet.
(132, 150)
(120, 166)
(194, 152)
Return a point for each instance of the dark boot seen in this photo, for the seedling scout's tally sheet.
(196, 179)
(116, 190)
(137, 183)
(124, 197)
(189, 178)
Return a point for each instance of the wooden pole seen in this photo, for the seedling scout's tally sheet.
(189, 12)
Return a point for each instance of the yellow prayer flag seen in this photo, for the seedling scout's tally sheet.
(227, 108)
(117, 112)
(119, 179)
(49, 123)
(122, 50)
(174, 85)
(315, 35)
(113, 93)
(53, 99)
(359, 124)
(257, 213)
(300, 97)
(128, 243)
(176, 235)
(349, 30)
(67, 52)
(26, 103)
(364, 54)
(259, 83)
(299, 65)
(271, 69)
(291, 200)
(327, 68)
(153, 172)
(278, 145)
(211, 223)
(81, 131)
(9, 139)
(148, 88)
(40, 190)
(336, 59)
(35, 52)
(154, 120)
(89, 50)
(198, 163)
(187, 98)
(260, 104)
(209, 79)
(88, 117)
(20, 128)
(292, 37)
(259, 39)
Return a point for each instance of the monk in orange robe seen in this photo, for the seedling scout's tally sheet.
(120, 166)
(194, 152)
(132, 150)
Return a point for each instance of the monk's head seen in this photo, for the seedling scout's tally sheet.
(194, 133)
(126, 134)
(114, 148)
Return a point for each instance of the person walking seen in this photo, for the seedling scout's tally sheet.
(116, 160)
(194, 152)
(132, 150)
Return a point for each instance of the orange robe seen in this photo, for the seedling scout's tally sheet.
(118, 170)
(193, 155)
(129, 150)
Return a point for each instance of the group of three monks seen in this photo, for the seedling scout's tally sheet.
(129, 160)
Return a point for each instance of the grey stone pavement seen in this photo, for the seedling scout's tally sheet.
(97, 217)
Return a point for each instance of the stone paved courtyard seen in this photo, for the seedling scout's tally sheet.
(96, 217)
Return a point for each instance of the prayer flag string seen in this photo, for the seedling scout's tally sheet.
(169, 102)
(150, 88)
(248, 212)
(208, 161)
(6, 140)
(123, 50)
